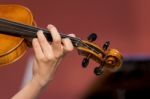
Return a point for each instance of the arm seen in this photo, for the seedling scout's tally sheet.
(47, 58)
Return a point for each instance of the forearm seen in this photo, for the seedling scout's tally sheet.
(31, 91)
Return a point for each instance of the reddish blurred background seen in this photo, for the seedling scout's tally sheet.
(123, 22)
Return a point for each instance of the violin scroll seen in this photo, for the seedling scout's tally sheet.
(113, 60)
(110, 59)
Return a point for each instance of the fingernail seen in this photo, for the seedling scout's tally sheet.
(72, 35)
(50, 26)
(40, 32)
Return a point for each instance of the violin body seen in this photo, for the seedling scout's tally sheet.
(11, 47)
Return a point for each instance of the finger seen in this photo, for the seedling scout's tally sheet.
(54, 33)
(72, 35)
(56, 44)
(37, 48)
(68, 46)
(45, 46)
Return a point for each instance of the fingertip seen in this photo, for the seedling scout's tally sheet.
(49, 26)
(40, 34)
(39, 31)
(72, 35)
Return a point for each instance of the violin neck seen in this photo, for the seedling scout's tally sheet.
(26, 31)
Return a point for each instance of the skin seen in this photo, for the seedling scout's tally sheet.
(46, 61)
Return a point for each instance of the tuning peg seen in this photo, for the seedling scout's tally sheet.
(85, 62)
(98, 70)
(106, 45)
(92, 37)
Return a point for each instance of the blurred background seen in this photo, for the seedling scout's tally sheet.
(123, 22)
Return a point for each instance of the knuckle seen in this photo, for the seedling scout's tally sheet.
(46, 58)
(41, 58)
(57, 56)
(57, 40)
(50, 58)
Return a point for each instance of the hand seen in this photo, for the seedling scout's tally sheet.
(48, 55)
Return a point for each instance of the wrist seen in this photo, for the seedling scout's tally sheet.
(40, 82)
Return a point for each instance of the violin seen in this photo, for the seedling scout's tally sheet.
(17, 28)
